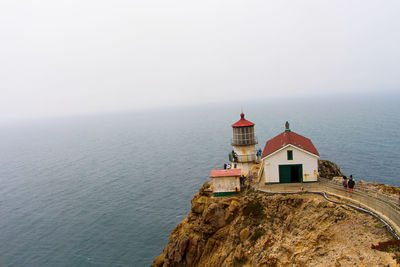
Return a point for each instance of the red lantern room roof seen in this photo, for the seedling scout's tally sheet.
(242, 122)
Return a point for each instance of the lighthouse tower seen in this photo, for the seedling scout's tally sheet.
(244, 143)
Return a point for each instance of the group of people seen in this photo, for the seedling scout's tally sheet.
(235, 156)
(349, 183)
(243, 179)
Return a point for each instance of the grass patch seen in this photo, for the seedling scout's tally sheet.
(254, 208)
(388, 246)
(257, 234)
(380, 225)
(238, 263)
(391, 246)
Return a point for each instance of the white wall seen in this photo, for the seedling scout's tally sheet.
(271, 165)
(225, 184)
(245, 167)
(243, 151)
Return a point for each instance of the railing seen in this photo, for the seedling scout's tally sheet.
(384, 205)
(243, 158)
(244, 141)
(368, 190)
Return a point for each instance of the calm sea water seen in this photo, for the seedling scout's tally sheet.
(107, 190)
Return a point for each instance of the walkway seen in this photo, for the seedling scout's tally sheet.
(383, 206)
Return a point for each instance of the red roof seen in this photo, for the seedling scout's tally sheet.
(242, 122)
(286, 138)
(225, 173)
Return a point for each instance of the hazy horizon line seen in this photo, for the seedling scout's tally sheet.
(183, 106)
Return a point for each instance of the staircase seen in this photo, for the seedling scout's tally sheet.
(255, 170)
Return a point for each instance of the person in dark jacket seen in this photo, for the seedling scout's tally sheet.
(242, 179)
(234, 156)
(351, 183)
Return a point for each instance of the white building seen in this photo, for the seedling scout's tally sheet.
(225, 182)
(289, 158)
(244, 143)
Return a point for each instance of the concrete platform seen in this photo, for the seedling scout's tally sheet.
(292, 187)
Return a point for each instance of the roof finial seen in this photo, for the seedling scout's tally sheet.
(287, 129)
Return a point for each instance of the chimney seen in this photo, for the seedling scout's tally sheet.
(287, 129)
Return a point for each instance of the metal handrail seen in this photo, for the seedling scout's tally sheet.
(243, 158)
(388, 197)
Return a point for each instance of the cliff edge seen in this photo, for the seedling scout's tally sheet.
(257, 229)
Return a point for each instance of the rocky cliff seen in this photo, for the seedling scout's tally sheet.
(328, 169)
(256, 229)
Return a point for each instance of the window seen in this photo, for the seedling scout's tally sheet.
(290, 155)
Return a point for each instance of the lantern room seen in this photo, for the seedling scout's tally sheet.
(243, 132)
(244, 154)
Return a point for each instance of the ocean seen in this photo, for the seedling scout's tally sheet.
(107, 189)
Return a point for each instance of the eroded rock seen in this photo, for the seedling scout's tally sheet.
(273, 230)
(328, 169)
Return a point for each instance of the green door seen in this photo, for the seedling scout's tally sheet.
(285, 173)
(291, 173)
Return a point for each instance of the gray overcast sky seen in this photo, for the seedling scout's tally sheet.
(69, 57)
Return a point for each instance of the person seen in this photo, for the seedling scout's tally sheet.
(242, 178)
(351, 183)
(259, 153)
(250, 177)
(344, 182)
(224, 166)
(228, 166)
(234, 155)
(236, 189)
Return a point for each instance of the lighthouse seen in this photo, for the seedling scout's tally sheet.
(243, 155)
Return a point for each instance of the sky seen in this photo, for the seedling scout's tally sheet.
(70, 57)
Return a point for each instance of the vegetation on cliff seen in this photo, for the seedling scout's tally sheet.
(257, 229)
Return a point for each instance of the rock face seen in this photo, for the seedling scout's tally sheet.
(256, 229)
(328, 169)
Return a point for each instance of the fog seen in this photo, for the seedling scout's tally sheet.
(73, 57)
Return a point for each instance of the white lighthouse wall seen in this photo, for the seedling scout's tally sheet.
(245, 150)
(247, 153)
(245, 167)
(225, 184)
(270, 171)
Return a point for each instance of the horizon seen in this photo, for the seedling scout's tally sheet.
(244, 106)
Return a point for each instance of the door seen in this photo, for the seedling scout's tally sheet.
(284, 173)
(291, 173)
